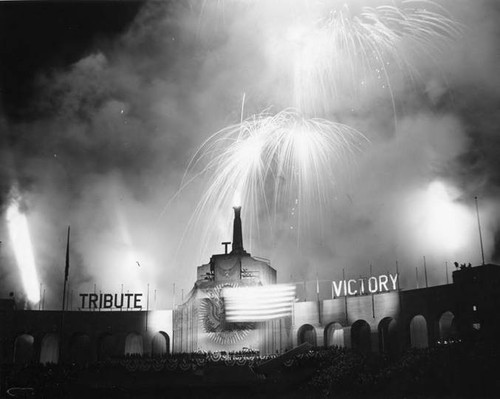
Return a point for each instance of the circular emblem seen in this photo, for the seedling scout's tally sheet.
(213, 319)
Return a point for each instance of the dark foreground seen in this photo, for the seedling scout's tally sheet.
(456, 370)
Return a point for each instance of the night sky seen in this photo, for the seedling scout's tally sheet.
(103, 104)
(38, 36)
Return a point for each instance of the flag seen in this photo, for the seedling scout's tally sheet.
(260, 303)
(66, 268)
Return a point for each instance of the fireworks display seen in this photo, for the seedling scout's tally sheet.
(272, 162)
(337, 51)
(349, 53)
(366, 129)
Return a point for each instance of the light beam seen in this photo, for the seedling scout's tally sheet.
(20, 238)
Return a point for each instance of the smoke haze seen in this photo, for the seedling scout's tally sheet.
(105, 142)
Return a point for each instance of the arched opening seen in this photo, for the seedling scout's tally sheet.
(23, 349)
(80, 349)
(447, 326)
(49, 352)
(306, 333)
(106, 347)
(160, 344)
(134, 344)
(388, 336)
(361, 336)
(334, 335)
(418, 332)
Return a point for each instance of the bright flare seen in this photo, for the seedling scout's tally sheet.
(447, 221)
(237, 199)
(20, 237)
(442, 225)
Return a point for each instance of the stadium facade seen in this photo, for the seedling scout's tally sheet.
(371, 314)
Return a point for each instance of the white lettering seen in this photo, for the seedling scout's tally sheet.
(362, 283)
(337, 289)
(351, 292)
(372, 288)
(394, 279)
(382, 282)
(373, 285)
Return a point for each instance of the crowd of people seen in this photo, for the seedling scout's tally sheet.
(452, 368)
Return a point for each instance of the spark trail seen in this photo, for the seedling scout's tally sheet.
(271, 162)
(335, 56)
(352, 51)
(338, 52)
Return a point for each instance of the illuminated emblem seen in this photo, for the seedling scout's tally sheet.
(213, 319)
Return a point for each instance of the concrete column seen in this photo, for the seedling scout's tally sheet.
(320, 336)
(374, 339)
(347, 337)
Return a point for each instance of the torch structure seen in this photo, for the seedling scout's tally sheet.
(237, 233)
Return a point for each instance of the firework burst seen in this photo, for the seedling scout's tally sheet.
(338, 52)
(272, 163)
(333, 55)
(355, 50)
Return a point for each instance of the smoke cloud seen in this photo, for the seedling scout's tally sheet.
(109, 137)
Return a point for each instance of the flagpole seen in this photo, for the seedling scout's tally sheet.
(446, 265)
(479, 228)
(66, 273)
(425, 273)
(317, 287)
(68, 296)
(173, 297)
(399, 287)
(373, 297)
(345, 298)
(317, 299)
(397, 271)
(147, 309)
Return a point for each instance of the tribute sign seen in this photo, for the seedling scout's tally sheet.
(111, 301)
(361, 286)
